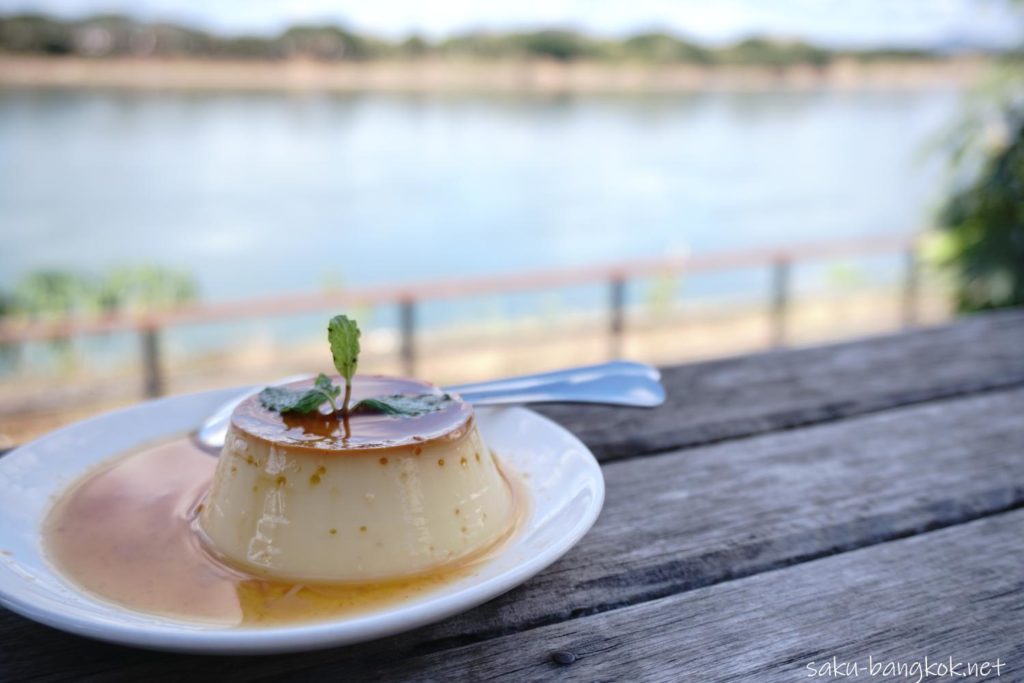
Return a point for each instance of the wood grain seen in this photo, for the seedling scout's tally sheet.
(766, 392)
(951, 593)
(679, 521)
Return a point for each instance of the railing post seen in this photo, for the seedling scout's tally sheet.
(616, 314)
(910, 276)
(780, 299)
(407, 315)
(152, 375)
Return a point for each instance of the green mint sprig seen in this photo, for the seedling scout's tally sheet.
(343, 336)
(405, 405)
(301, 401)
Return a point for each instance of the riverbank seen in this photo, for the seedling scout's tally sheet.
(435, 75)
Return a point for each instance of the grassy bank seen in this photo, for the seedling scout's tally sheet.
(456, 75)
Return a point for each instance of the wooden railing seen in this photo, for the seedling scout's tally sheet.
(407, 297)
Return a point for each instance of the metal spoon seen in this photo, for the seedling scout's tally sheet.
(618, 383)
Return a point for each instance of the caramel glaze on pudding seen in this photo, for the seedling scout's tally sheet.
(302, 521)
(319, 432)
(317, 498)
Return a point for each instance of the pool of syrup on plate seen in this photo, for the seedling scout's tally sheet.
(126, 533)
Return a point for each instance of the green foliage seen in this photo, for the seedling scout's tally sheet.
(35, 33)
(328, 43)
(550, 44)
(142, 289)
(775, 53)
(403, 405)
(414, 46)
(886, 54)
(665, 48)
(560, 45)
(247, 47)
(136, 289)
(118, 35)
(51, 293)
(343, 335)
(984, 224)
(301, 401)
(981, 246)
(99, 35)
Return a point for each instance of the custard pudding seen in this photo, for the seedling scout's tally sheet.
(373, 496)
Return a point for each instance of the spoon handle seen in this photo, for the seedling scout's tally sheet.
(621, 383)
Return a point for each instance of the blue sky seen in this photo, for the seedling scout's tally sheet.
(838, 22)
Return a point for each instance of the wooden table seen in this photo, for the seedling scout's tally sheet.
(851, 501)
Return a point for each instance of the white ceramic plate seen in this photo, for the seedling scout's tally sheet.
(561, 475)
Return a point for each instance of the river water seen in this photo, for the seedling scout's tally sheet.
(272, 193)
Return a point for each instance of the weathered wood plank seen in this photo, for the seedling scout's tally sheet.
(676, 522)
(955, 593)
(765, 392)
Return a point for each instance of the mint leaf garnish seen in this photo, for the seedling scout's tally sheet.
(301, 401)
(343, 334)
(403, 405)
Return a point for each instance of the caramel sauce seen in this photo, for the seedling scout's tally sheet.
(126, 533)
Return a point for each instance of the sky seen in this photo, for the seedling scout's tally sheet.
(912, 23)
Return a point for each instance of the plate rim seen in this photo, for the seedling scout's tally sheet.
(171, 637)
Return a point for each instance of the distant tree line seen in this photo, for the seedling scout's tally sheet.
(115, 35)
